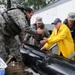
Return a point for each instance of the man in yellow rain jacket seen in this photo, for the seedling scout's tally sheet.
(62, 36)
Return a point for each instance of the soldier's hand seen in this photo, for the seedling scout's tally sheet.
(40, 31)
(22, 44)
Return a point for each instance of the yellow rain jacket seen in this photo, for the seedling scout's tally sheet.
(64, 40)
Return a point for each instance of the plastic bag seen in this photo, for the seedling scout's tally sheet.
(2, 72)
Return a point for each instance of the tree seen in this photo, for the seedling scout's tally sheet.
(36, 4)
(2, 1)
(8, 4)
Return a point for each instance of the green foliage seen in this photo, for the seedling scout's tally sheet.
(35, 4)
(1, 1)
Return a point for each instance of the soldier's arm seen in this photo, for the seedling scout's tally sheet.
(33, 31)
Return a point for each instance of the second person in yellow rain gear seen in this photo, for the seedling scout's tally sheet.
(62, 36)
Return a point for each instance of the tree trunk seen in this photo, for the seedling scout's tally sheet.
(8, 4)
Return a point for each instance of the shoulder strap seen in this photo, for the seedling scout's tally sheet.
(11, 27)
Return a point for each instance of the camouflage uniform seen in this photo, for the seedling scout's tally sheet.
(7, 40)
(3, 53)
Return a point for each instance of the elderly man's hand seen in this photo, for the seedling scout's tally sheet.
(43, 48)
(43, 41)
(40, 31)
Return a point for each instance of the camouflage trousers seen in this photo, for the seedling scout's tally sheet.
(3, 53)
(9, 45)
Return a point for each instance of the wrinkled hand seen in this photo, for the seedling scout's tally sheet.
(22, 44)
(43, 48)
(43, 41)
(40, 31)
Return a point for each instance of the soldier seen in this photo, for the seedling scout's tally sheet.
(14, 22)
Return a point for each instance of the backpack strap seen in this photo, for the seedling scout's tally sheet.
(11, 27)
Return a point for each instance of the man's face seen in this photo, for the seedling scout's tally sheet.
(29, 15)
(70, 22)
(38, 24)
(57, 26)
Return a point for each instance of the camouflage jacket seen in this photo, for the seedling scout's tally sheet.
(20, 20)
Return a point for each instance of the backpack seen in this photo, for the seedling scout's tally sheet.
(10, 26)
